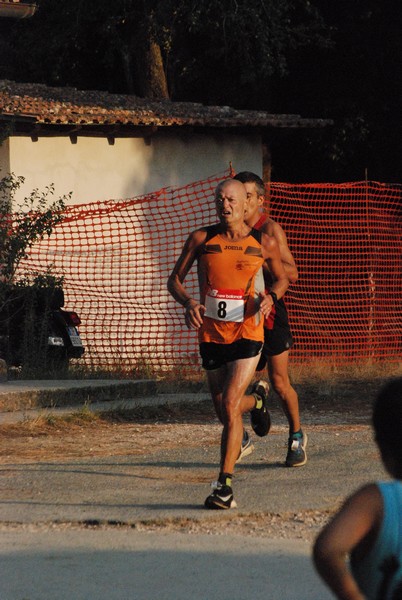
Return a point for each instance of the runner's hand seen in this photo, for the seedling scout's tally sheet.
(194, 314)
(266, 304)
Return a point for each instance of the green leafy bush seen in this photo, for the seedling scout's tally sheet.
(26, 297)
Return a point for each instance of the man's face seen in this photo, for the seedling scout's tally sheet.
(254, 201)
(230, 202)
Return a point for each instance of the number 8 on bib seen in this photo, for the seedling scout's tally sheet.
(225, 305)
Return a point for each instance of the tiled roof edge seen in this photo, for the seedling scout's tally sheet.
(70, 106)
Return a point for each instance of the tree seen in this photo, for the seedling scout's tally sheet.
(354, 81)
(317, 58)
(231, 51)
(205, 51)
(110, 46)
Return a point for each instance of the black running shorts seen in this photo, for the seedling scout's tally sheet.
(216, 355)
(277, 334)
(276, 341)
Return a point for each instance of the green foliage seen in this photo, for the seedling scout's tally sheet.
(97, 46)
(42, 281)
(206, 45)
(316, 58)
(227, 51)
(23, 225)
(355, 83)
(26, 298)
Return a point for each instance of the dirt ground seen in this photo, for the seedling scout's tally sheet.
(111, 433)
(342, 405)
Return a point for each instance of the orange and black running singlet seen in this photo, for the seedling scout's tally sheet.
(229, 274)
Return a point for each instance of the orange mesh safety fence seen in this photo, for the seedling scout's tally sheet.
(347, 243)
(116, 256)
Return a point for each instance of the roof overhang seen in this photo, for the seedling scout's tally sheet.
(29, 127)
(17, 10)
(39, 110)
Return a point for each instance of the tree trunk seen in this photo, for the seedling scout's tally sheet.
(151, 78)
(155, 84)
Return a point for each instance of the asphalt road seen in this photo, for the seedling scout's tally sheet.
(132, 565)
(173, 483)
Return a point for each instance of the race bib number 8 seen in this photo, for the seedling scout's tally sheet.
(225, 305)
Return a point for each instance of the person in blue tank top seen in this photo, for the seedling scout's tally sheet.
(359, 553)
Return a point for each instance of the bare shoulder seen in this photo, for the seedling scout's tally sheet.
(273, 229)
(269, 243)
(365, 506)
(197, 237)
(368, 494)
(355, 526)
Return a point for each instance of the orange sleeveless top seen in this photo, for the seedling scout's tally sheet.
(230, 278)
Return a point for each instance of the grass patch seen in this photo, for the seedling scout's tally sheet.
(85, 417)
(82, 417)
(317, 371)
(181, 380)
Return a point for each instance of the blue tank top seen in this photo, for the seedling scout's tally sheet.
(379, 574)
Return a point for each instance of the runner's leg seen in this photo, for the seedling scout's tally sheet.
(231, 404)
(279, 378)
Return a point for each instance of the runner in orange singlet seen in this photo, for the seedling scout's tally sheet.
(229, 319)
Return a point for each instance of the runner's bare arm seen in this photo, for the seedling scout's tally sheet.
(271, 253)
(275, 230)
(194, 310)
(353, 528)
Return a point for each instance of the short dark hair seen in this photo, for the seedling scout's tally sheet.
(249, 177)
(387, 419)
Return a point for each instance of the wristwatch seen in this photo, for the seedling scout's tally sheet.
(274, 297)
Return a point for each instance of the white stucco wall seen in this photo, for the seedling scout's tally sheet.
(126, 270)
(95, 170)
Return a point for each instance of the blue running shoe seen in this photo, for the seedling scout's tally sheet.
(297, 456)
